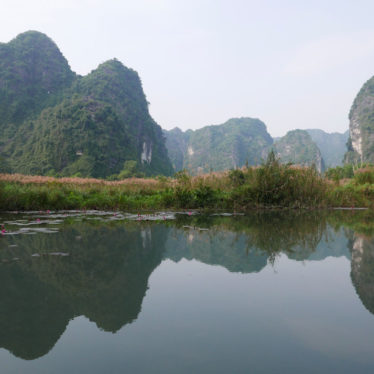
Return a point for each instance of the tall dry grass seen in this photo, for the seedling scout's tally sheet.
(38, 179)
(269, 185)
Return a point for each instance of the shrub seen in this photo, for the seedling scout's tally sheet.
(364, 176)
(205, 196)
(183, 198)
(340, 172)
(236, 177)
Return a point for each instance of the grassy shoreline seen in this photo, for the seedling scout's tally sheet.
(271, 185)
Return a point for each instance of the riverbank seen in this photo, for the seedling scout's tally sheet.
(271, 185)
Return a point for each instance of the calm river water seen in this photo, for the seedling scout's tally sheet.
(273, 292)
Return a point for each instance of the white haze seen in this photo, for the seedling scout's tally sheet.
(292, 64)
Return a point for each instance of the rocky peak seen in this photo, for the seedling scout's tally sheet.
(361, 126)
(297, 147)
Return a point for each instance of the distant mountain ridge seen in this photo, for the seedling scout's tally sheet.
(219, 147)
(241, 141)
(332, 146)
(56, 122)
(297, 147)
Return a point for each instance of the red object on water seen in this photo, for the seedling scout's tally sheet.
(189, 213)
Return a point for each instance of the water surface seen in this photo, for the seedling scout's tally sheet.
(102, 292)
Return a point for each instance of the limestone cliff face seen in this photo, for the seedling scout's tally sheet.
(177, 146)
(361, 126)
(320, 165)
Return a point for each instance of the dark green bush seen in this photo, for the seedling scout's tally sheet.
(205, 196)
(340, 172)
(364, 176)
(183, 198)
(237, 177)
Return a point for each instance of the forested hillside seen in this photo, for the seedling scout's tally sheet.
(297, 147)
(230, 145)
(58, 123)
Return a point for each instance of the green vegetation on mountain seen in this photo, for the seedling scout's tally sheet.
(297, 147)
(332, 146)
(237, 142)
(55, 122)
(242, 141)
(361, 126)
(78, 137)
(33, 75)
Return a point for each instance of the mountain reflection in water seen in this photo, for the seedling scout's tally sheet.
(105, 270)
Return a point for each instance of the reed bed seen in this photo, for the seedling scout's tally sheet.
(38, 179)
(271, 185)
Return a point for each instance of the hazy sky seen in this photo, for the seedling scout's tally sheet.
(293, 64)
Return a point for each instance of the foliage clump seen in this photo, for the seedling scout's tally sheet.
(340, 172)
(278, 185)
